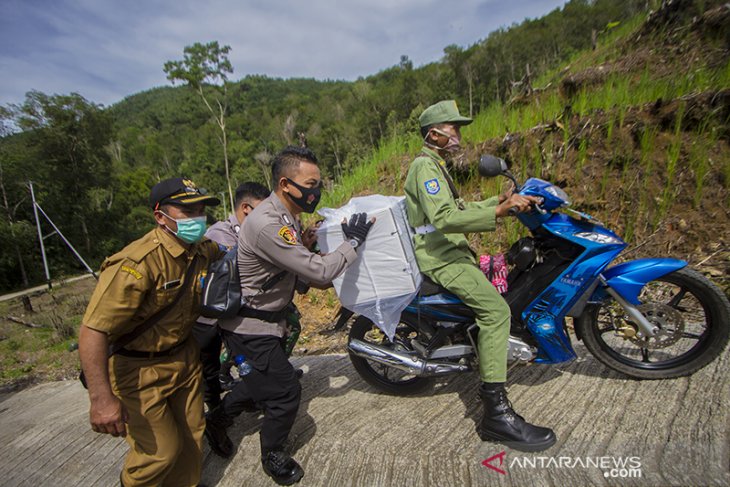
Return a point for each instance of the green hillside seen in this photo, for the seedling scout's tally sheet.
(646, 109)
(636, 131)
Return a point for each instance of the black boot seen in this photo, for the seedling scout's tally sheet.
(216, 422)
(502, 424)
(281, 467)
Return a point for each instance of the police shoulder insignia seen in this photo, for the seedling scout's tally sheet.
(288, 235)
(131, 271)
(432, 186)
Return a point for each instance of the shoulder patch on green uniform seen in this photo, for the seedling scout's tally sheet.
(131, 271)
(432, 186)
(287, 235)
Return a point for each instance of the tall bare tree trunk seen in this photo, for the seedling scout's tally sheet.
(220, 120)
(85, 231)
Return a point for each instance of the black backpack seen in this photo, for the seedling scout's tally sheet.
(222, 291)
(222, 288)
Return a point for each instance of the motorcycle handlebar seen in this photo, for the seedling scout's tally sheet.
(514, 211)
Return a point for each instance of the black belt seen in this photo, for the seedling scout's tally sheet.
(163, 353)
(270, 316)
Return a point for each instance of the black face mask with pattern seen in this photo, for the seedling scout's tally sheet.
(309, 199)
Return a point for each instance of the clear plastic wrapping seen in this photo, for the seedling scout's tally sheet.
(385, 277)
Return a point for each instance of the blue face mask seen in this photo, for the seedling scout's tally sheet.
(189, 230)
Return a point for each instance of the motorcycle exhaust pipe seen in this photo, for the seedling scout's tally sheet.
(402, 361)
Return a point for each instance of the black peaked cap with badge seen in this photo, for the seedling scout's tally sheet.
(181, 192)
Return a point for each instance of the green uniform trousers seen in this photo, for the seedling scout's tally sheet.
(469, 283)
(163, 397)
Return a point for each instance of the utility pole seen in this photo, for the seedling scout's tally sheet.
(41, 237)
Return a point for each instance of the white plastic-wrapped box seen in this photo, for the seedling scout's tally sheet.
(385, 277)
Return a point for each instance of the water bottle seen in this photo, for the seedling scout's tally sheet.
(244, 368)
(224, 356)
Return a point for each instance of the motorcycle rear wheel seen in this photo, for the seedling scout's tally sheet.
(693, 316)
(382, 377)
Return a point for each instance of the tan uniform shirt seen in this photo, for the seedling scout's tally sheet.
(142, 278)
(269, 242)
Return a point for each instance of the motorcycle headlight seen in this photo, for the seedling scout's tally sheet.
(598, 238)
(558, 193)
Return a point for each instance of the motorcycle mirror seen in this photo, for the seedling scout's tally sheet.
(491, 166)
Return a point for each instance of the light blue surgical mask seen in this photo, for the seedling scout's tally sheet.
(189, 230)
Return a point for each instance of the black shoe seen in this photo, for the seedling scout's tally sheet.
(502, 424)
(299, 373)
(282, 468)
(216, 422)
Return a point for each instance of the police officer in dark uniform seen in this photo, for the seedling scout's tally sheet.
(271, 257)
(205, 330)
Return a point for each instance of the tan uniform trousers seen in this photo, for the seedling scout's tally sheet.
(163, 397)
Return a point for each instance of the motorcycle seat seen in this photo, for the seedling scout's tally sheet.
(429, 288)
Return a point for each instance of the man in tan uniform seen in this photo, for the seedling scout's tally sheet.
(150, 390)
(271, 257)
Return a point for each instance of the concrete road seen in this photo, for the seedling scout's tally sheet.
(41, 288)
(669, 432)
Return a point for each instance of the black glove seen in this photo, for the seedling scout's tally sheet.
(356, 230)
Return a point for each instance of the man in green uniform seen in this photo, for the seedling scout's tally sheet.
(150, 390)
(440, 219)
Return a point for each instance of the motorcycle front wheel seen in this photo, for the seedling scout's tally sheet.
(691, 314)
(382, 377)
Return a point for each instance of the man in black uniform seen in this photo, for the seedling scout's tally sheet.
(271, 257)
(205, 330)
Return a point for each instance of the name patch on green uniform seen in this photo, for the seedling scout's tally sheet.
(432, 186)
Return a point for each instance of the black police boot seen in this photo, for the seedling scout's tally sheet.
(216, 422)
(281, 467)
(502, 424)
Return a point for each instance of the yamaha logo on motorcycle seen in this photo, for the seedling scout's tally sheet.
(650, 318)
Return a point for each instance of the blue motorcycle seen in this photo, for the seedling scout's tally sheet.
(647, 318)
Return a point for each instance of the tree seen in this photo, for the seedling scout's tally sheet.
(69, 135)
(202, 66)
(14, 237)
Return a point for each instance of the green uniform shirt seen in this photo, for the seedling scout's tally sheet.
(430, 201)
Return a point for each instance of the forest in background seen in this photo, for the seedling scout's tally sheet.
(92, 166)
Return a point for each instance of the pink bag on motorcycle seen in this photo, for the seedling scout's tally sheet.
(495, 268)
